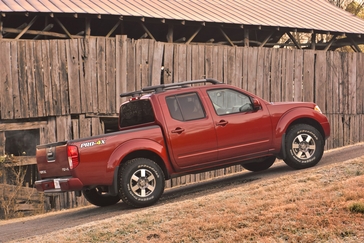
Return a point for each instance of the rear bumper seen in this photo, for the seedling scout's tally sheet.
(59, 185)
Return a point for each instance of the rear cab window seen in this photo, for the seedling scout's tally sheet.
(135, 113)
(185, 107)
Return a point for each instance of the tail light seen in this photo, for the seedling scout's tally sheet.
(73, 158)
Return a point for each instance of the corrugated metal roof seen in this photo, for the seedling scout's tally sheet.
(300, 14)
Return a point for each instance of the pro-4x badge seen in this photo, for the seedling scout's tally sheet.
(90, 144)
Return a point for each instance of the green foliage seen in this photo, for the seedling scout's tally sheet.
(357, 208)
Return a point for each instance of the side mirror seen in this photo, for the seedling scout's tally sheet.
(256, 104)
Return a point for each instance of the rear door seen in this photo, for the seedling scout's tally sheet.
(190, 130)
(241, 131)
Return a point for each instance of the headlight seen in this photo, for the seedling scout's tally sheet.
(317, 109)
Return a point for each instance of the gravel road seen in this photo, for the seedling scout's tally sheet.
(30, 226)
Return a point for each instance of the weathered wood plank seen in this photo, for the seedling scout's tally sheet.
(343, 85)
(298, 73)
(6, 82)
(320, 85)
(73, 66)
(336, 80)
(266, 73)
(131, 66)
(56, 86)
(91, 75)
(111, 92)
(238, 67)
(101, 75)
(63, 78)
(2, 143)
(47, 82)
(276, 78)
(75, 129)
(24, 125)
(289, 77)
(168, 63)
(157, 63)
(308, 75)
(32, 92)
(140, 65)
(121, 67)
(85, 126)
(63, 128)
(50, 130)
(231, 65)
(96, 126)
(252, 69)
(352, 76)
(15, 79)
(39, 79)
(23, 80)
(360, 84)
(259, 90)
(244, 82)
(85, 75)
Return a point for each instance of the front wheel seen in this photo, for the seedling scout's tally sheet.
(97, 196)
(304, 146)
(141, 182)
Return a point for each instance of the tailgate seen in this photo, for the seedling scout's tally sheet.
(52, 160)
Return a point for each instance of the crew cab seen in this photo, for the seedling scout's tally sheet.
(170, 130)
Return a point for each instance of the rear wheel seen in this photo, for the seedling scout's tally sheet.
(97, 197)
(141, 182)
(304, 146)
(260, 165)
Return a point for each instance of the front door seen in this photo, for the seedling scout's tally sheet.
(241, 130)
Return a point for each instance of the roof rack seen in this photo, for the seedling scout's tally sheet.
(163, 87)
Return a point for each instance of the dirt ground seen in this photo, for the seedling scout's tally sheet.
(16, 229)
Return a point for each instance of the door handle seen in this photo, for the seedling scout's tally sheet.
(222, 123)
(178, 130)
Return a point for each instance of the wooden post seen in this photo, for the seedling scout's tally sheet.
(246, 37)
(170, 34)
(313, 41)
(2, 143)
(88, 27)
(1, 27)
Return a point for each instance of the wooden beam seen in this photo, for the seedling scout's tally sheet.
(36, 32)
(226, 37)
(294, 40)
(146, 30)
(194, 35)
(170, 34)
(48, 27)
(267, 38)
(246, 37)
(113, 28)
(22, 126)
(26, 28)
(20, 27)
(355, 45)
(63, 27)
(333, 39)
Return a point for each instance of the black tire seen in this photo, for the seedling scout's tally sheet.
(304, 146)
(260, 165)
(96, 197)
(141, 182)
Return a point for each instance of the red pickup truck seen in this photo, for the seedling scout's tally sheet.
(182, 128)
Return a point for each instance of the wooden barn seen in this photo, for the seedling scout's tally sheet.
(63, 64)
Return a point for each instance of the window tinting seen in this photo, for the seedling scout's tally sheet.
(228, 101)
(136, 113)
(185, 107)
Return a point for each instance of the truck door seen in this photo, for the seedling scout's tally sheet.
(241, 131)
(191, 132)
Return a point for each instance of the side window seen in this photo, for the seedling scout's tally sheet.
(228, 101)
(185, 107)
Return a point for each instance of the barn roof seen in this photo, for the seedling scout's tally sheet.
(316, 15)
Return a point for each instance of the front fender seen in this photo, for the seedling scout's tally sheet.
(290, 117)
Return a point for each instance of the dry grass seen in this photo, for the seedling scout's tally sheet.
(316, 205)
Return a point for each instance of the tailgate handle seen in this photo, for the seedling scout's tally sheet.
(51, 154)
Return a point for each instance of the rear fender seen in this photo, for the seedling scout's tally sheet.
(137, 145)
